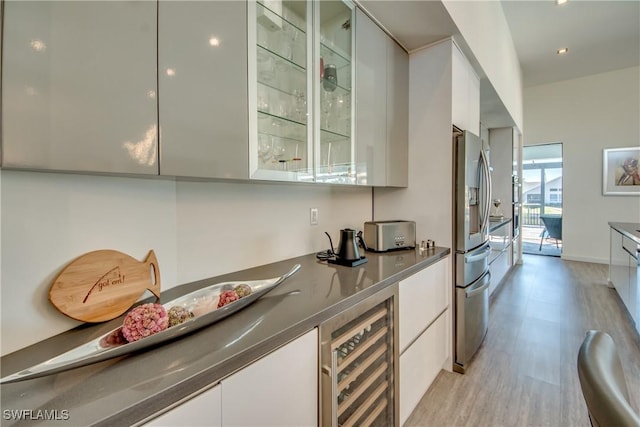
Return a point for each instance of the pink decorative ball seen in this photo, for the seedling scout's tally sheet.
(143, 321)
(226, 297)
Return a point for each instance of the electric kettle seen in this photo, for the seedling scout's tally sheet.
(348, 252)
(348, 248)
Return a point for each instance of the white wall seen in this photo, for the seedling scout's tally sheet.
(587, 115)
(50, 219)
(197, 229)
(484, 28)
(224, 227)
(428, 199)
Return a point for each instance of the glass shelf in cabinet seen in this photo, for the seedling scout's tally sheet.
(281, 127)
(336, 174)
(269, 86)
(284, 104)
(331, 136)
(328, 136)
(265, 55)
(281, 38)
(286, 19)
(331, 55)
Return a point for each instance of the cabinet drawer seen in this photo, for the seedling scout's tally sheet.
(203, 410)
(499, 268)
(421, 363)
(423, 297)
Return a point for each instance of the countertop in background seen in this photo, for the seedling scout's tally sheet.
(629, 229)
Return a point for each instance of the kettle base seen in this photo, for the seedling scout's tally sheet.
(347, 262)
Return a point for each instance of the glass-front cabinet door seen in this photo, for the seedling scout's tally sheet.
(335, 153)
(280, 137)
(300, 98)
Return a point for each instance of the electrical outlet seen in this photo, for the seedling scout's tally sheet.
(313, 216)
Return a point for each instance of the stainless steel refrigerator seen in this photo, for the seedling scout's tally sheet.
(471, 236)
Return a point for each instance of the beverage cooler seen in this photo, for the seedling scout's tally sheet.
(358, 354)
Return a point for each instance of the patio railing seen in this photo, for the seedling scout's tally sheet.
(531, 214)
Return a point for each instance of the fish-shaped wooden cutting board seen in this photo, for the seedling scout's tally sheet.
(101, 285)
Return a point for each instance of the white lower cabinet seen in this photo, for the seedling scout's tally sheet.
(421, 363)
(623, 273)
(423, 296)
(499, 267)
(203, 410)
(280, 389)
(425, 330)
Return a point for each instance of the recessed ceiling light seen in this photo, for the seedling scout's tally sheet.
(559, 2)
(562, 51)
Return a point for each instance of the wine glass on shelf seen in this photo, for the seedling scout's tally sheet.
(327, 106)
(300, 105)
(264, 149)
(288, 39)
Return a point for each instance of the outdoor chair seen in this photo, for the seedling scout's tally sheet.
(552, 229)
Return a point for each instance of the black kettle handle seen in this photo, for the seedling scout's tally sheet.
(361, 240)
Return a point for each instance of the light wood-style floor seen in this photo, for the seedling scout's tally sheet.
(525, 373)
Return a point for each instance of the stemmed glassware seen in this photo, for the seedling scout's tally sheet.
(327, 106)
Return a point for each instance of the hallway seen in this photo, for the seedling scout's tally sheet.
(525, 372)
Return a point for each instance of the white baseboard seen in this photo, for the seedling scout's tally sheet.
(585, 259)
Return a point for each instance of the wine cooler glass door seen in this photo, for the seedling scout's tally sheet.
(358, 367)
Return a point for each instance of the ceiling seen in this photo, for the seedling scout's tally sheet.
(600, 35)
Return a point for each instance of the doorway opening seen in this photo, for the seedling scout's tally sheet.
(542, 199)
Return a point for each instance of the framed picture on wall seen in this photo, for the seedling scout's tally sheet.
(621, 172)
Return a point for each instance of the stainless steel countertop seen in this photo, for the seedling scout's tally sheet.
(129, 389)
(629, 229)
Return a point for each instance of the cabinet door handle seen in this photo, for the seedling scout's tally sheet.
(634, 256)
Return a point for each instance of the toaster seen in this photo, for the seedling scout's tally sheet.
(381, 236)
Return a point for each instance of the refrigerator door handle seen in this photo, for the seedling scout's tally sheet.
(480, 287)
(487, 182)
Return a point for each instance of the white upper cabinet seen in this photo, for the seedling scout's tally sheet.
(257, 89)
(465, 94)
(203, 109)
(79, 86)
(382, 106)
(397, 148)
(371, 101)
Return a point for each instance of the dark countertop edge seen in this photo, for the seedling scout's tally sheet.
(628, 229)
(144, 411)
